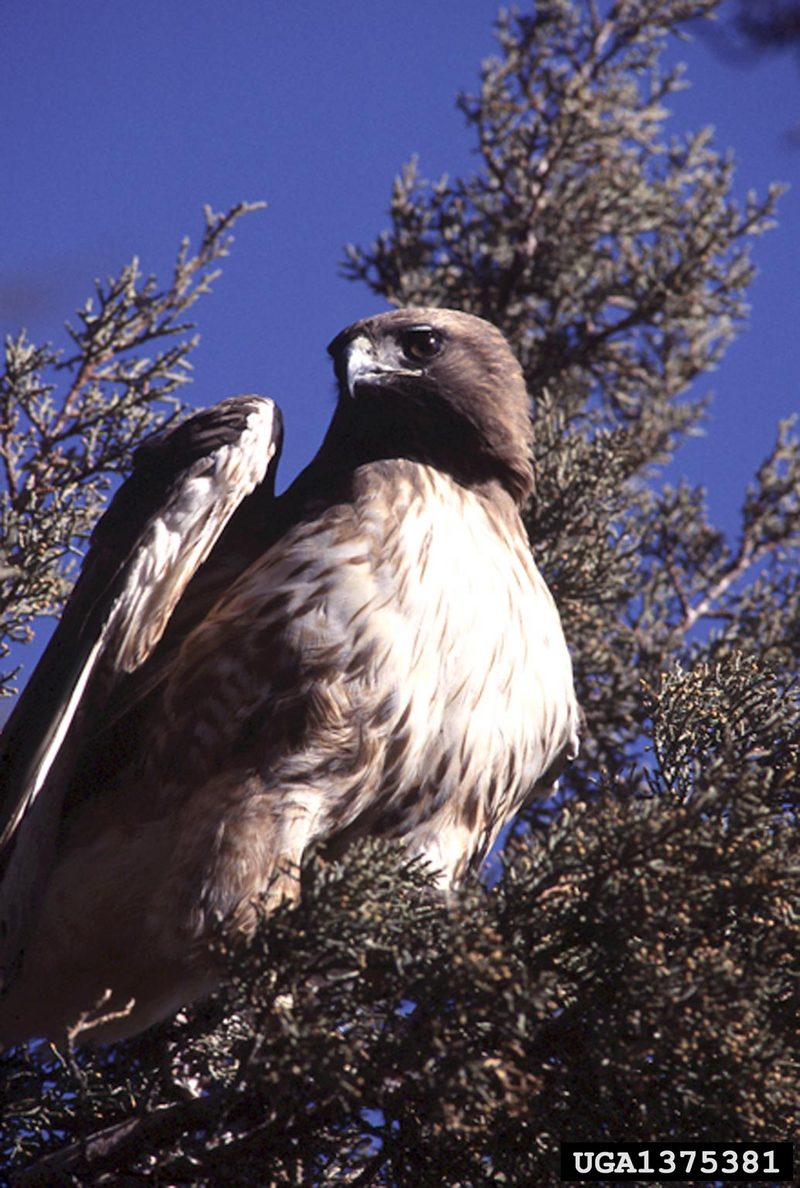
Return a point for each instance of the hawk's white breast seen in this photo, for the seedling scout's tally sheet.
(439, 589)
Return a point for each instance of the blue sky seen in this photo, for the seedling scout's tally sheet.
(121, 120)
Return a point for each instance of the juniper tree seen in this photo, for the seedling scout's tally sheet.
(628, 973)
(70, 422)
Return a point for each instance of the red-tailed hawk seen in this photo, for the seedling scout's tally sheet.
(238, 676)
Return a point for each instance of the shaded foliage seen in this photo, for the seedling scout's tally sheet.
(631, 973)
(768, 24)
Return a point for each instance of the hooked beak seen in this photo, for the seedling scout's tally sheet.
(361, 364)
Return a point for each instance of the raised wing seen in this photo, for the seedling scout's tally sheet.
(186, 484)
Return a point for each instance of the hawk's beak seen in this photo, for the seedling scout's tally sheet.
(361, 364)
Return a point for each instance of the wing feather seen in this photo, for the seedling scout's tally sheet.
(185, 486)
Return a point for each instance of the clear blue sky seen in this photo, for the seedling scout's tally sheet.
(120, 120)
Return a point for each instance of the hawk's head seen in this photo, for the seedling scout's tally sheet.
(438, 386)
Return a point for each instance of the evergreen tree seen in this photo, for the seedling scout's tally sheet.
(629, 974)
(69, 425)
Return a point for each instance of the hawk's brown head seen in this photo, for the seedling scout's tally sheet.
(438, 386)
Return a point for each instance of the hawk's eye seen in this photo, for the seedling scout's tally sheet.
(420, 343)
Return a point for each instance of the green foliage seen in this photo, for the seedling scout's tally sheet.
(68, 424)
(630, 974)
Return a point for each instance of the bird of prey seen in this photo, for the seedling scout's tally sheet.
(239, 676)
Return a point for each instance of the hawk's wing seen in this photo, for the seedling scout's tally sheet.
(160, 527)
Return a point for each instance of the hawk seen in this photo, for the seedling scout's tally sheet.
(239, 676)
